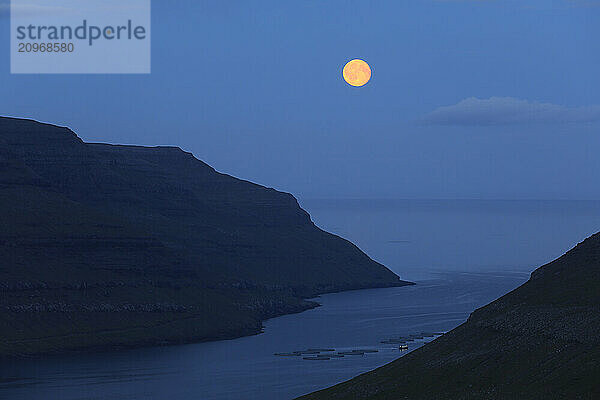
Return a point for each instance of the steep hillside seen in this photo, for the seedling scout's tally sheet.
(541, 341)
(104, 245)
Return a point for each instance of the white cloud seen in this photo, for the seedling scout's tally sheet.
(507, 111)
(532, 3)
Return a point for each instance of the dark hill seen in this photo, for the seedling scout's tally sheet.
(104, 245)
(541, 341)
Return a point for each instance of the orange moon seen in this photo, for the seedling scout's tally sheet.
(357, 72)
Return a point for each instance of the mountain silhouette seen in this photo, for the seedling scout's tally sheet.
(106, 246)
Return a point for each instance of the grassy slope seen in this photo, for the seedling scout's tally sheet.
(123, 246)
(540, 341)
(59, 257)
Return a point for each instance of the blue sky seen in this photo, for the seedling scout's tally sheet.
(468, 99)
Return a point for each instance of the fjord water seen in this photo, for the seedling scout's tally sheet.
(462, 254)
(415, 238)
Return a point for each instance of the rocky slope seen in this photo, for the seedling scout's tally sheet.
(541, 341)
(104, 246)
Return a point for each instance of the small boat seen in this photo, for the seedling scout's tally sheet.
(403, 347)
(366, 351)
(316, 358)
(351, 353)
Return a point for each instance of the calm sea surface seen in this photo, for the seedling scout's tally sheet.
(462, 254)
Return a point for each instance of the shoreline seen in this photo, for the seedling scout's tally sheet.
(245, 367)
(306, 304)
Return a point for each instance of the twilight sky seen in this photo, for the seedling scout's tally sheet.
(468, 99)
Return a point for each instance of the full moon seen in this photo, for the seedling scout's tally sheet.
(357, 72)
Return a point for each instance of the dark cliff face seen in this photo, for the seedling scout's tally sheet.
(540, 341)
(90, 228)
